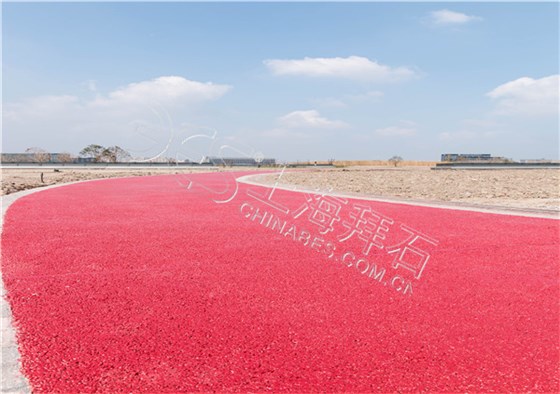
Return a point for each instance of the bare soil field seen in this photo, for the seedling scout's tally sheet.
(17, 179)
(519, 188)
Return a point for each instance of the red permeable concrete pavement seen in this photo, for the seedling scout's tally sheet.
(145, 285)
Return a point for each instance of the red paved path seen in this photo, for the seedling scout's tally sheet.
(140, 285)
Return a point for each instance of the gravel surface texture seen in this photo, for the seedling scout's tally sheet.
(144, 285)
(538, 188)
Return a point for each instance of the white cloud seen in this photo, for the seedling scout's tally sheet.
(447, 17)
(353, 67)
(405, 129)
(309, 119)
(138, 114)
(527, 96)
(162, 91)
(165, 90)
(303, 124)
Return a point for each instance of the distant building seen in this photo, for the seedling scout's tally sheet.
(466, 157)
(82, 160)
(18, 158)
(50, 158)
(62, 158)
(239, 161)
(473, 158)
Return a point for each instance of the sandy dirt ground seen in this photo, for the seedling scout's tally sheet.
(534, 189)
(519, 188)
(17, 179)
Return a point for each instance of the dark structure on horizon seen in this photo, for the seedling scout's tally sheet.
(241, 161)
(468, 157)
(46, 158)
(486, 160)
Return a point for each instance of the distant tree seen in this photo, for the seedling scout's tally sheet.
(39, 155)
(93, 151)
(395, 160)
(258, 157)
(115, 154)
(65, 157)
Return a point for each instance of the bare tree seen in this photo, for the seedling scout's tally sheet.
(65, 157)
(395, 160)
(93, 151)
(115, 154)
(39, 155)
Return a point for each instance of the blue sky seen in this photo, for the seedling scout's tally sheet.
(295, 81)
